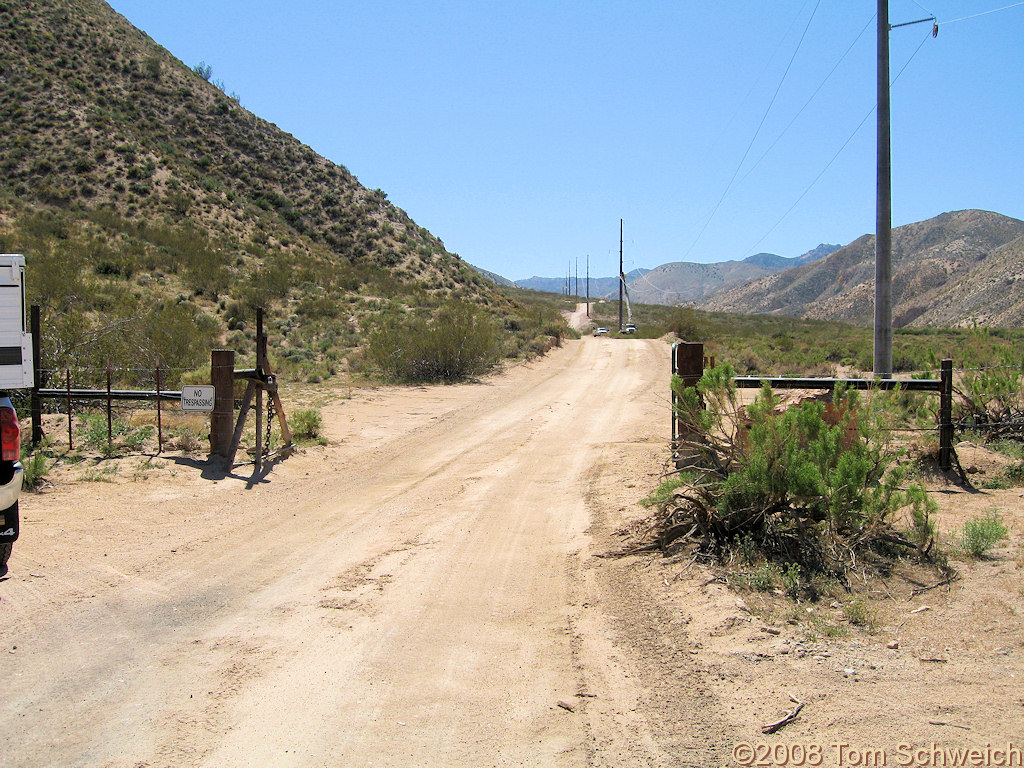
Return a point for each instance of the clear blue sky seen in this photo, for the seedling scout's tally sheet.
(521, 132)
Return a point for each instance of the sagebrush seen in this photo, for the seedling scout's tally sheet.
(813, 487)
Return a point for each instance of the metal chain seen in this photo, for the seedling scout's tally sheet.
(270, 424)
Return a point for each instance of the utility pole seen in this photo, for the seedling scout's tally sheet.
(883, 197)
(588, 285)
(577, 276)
(883, 207)
(620, 274)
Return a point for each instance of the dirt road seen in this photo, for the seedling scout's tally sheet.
(420, 592)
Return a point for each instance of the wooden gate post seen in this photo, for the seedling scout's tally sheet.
(222, 376)
(946, 415)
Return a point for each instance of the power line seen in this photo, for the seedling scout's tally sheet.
(810, 99)
(983, 13)
(753, 138)
(754, 84)
(930, 13)
(839, 151)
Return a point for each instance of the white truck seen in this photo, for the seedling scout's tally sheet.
(15, 373)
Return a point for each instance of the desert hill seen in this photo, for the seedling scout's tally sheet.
(146, 189)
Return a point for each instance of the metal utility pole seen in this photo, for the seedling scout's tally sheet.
(620, 274)
(588, 285)
(577, 276)
(883, 207)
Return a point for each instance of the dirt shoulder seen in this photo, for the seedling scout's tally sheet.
(939, 669)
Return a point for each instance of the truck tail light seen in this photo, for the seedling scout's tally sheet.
(10, 434)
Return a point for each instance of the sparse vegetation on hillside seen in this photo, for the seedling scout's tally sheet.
(156, 213)
(779, 346)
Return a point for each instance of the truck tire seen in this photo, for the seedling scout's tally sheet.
(5, 552)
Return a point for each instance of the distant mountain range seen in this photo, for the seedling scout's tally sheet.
(685, 282)
(960, 268)
(957, 269)
(599, 286)
(680, 282)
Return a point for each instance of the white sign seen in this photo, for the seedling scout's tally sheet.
(197, 397)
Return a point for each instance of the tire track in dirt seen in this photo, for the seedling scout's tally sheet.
(406, 597)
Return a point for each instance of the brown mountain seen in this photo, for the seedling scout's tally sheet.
(939, 267)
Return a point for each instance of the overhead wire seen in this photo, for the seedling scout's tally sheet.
(753, 138)
(840, 150)
(810, 99)
(740, 104)
(983, 13)
(930, 13)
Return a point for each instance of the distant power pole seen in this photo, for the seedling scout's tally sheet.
(577, 276)
(588, 285)
(620, 274)
(883, 207)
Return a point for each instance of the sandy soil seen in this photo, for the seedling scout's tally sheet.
(427, 590)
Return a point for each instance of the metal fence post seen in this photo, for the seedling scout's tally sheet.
(159, 415)
(674, 398)
(71, 445)
(110, 423)
(36, 403)
(946, 415)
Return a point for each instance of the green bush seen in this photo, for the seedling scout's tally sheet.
(35, 469)
(460, 341)
(762, 577)
(981, 533)
(859, 614)
(664, 492)
(813, 486)
(306, 423)
(122, 436)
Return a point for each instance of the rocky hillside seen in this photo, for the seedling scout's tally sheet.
(683, 282)
(989, 297)
(148, 184)
(946, 271)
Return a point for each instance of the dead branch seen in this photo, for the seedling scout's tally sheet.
(948, 580)
(790, 717)
(951, 725)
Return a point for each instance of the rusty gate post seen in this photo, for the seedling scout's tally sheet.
(690, 362)
(222, 376)
(675, 397)
(688, 365)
